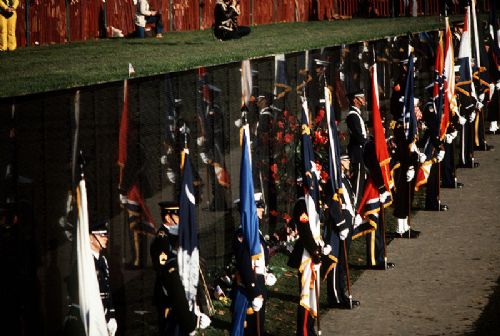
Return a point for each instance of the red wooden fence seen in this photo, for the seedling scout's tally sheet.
(59, 21)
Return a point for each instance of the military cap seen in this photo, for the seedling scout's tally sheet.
(259, 201)
(99, 227)
(355, 94)
(169, 207)
(268, 96)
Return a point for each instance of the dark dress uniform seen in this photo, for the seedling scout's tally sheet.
(305, 322)
(339, 218)
(448, 166)
(169, 297)
(375, 240)
(249, 282)
(357, 141)
(467, 106)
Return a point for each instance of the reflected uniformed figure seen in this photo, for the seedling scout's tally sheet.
(98, 236)
(174, 316)
(249, 291)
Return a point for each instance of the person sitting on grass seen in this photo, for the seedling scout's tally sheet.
(226, 26)
(144, 15)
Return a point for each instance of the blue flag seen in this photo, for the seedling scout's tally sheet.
(249, 219)
(409, 118)
(188, 254)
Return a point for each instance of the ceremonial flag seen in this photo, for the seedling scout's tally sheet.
(450, 100)
(248, 209)
(409, 118)
(381, 150)
(369, 206)
(438, 94)
(465, 85)
(89, 295)
(423, 173)
(209, 116)
(246, 82)
(334, 147)
(310, 272)
(188, 254)
(139, 216)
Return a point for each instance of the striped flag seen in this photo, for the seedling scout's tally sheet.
(465, 85)
(188, 254)
(450, 99)
(89, 295)
(310, 271)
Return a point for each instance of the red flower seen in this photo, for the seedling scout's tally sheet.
(279, 136)
(274, 213)
(286, 217)
(281, 124)
(324, 175)
(288, 138)
(274, 168)
(319, 116)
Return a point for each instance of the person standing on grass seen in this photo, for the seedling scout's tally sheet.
(144, 15)
(8, 19)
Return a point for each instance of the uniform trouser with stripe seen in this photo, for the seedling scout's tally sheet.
(336, 279)
(305, 321)
(448, 167)
(466, 143)
(358, 177)
(375, 247)
(432, 188)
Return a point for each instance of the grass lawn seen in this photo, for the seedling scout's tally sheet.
(54, 67)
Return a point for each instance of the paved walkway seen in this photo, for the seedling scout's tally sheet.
(443, 280)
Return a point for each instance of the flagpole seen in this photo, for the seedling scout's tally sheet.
(316, 289)
(348, 276)
(382, 223)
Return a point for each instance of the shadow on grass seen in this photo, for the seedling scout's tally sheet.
(489, 321)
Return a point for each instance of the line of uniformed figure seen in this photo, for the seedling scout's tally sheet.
(341, 220)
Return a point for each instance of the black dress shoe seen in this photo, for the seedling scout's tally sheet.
(460, 185)
(345, 305)
(476, 164)
(381, 267)
(443, 207)
(412, 234)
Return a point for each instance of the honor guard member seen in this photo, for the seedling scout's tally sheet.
(493, 53)
(340, 219)
(174, 316)
(375, 240)
(407, 155)
(305, 322)
(251, 281)
(358, 136)
(434, 151)
(98, 234)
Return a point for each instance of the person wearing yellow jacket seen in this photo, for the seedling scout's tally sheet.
(8, 19)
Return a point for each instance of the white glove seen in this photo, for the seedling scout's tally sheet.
(257, 303)
(454, 134)
(461, 120)
(422, 157)
(270, 279)
(112, 327)
(481, 97)
(344, 233)
(472, 117)
(498, 85)
(479, 105)
(384, 196)
(204, 321)
(163, 160)
(440, 155)
(358, 220)
(327, 249)
(449, 138)
(410, 174)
